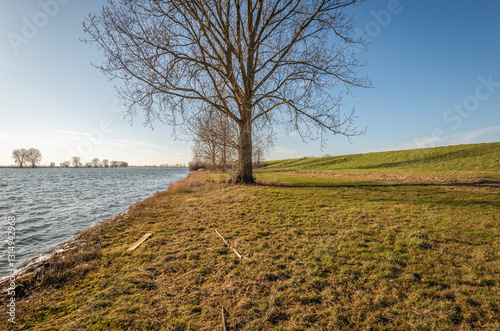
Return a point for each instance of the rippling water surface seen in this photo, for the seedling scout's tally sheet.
(52, 205)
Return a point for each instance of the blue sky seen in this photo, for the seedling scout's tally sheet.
(435, 66)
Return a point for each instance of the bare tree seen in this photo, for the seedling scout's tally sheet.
(216, 140)
(88, 164)
(33, 156)
(76, 161)
(96, 162)
(214, 137)
(20, 156)
(65, 164)
(281, 61)
(258, 154)
(105, 163)
(52, 164)
(114, 164)
(208, 144)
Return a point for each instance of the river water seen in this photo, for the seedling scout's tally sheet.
(51, 205)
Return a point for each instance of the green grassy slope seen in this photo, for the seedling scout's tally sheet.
(475, 157)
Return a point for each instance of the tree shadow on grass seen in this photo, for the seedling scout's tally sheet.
(423, 195)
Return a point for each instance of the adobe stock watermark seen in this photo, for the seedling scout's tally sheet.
(381, 20)
(459, 112)
(456, 114)
(11, 259)
(32, 25)
(94, 137)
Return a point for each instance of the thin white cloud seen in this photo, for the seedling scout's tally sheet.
(73, 135)
(138, 143)
(424, 142)
(470, 137)
(453, 139)
(144, 147)
(283, 150)
(28, 140)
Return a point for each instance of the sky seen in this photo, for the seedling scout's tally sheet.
(434, 65)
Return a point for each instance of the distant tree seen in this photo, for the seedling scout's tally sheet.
(122, 164)
(114, 164)
(52, 164)
(105, 163)
(76, 161)
(215, 139)
(88, 164)
(20, 156)
(258, 154)
(96, 162)
(66, 164)
(34, 156)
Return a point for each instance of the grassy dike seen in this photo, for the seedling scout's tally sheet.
(346, 249)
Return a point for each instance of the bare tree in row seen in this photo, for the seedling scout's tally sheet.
(96, 162)
(258, 155)
(20, 156)
(31, 155)
(281, 61)
(215, 141)
(118, 164)
(76, 161)
(34, 156)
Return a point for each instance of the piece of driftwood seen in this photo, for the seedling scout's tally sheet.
(224, 325)
(140, 241)
(231, 247)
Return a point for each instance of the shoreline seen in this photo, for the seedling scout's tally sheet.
(31, 266)
(43, 222)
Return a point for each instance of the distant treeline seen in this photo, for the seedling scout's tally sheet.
(33, 157)
(95, 163)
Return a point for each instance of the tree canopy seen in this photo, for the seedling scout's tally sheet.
(278, 61)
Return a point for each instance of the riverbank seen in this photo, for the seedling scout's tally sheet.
(52, 206)
(325, 251)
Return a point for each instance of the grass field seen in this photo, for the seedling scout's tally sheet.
(392, 246)
(469, 161)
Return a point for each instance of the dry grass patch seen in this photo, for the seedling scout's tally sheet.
(327, 252)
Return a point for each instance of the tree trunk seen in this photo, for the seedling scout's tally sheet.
(244, 173)
(214, 160)
(224, 143)
(224, 156)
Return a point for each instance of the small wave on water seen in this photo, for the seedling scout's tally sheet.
(57, 204)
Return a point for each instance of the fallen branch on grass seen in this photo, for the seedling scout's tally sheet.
(223, 317)
(140, 241)
(241, 257)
